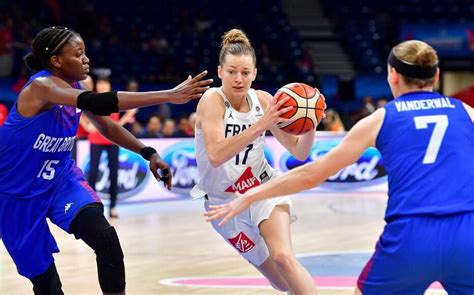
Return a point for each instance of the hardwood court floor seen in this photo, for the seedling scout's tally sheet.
(171, 239)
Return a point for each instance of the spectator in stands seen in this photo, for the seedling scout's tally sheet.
(183, 127)
(305, 62)
(191, 124)
(264, 60)
(332, 121)
(202, 24)
(153, 128)
(368, 106)
(158, 44)
(168, 72)
(137, 129)
(168, 129)
(381, 103)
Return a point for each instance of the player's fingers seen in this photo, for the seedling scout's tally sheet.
(199, 76)
(225, 220)
(194, 96)
(286, 121)
(282, 101)
(210, 212)
(284, 110)
(213, 212)
(213, 215)
(215, 206)
(167, 179)
(205, 83)
(155, 173)
(324, 101)
(200, 89)
(184, 82)
(274, 100)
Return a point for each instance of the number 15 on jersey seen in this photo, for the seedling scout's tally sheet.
(47, 171)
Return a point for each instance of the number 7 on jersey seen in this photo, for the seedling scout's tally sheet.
(441, 124)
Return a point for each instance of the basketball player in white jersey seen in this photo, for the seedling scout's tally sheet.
(230, 132)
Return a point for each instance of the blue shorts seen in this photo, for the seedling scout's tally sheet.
(413, 252)
(23, 225)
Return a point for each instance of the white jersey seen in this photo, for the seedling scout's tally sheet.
(247, 169)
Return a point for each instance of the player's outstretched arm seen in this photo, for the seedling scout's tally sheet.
(54, 90)
(359, 138)
(191, 88)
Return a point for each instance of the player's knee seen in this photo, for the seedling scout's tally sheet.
(92, 227)
(110, 261)
(283, 259)
(47, 283)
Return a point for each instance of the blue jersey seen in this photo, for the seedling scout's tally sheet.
(427, 145)
(35, 152)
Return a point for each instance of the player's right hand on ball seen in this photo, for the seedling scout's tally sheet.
(191, 88)
(273, 112)
(160, 170)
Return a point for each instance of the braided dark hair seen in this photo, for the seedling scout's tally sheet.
(47, 43)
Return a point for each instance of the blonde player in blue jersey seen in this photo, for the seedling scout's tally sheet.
(38, 179)
(427, 143)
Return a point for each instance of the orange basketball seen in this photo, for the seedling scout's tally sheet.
(309, 106)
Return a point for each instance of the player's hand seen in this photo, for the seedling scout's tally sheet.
(273, 113)
(227, 211)
(160, 170)
(191, 88)
(325, 105)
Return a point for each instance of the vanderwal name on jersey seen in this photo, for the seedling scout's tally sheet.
(423, 104)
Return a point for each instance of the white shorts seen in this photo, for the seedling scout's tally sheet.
(242, 231)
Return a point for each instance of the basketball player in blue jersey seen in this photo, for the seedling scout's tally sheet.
(38, 179)
(427, 142)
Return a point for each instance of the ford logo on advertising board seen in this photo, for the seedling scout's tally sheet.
(132, 174)
(181, 158)
(367, 171)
